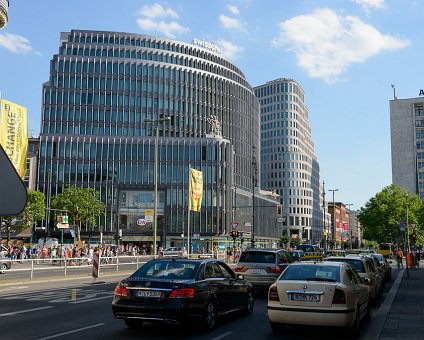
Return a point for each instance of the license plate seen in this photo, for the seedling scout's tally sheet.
(148, 293)
(304, 297)
(258, 271)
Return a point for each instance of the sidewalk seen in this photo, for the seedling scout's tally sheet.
(401, 316)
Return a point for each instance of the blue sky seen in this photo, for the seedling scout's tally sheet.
(344, 53)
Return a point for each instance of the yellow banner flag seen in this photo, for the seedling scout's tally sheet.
(14, 134)
(196, 189)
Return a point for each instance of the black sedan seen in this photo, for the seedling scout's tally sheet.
(178, 291)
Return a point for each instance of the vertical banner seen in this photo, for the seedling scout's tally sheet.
(196, 189)
(14, 134)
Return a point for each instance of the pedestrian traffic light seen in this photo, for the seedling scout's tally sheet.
(233, 233)
(279, 209)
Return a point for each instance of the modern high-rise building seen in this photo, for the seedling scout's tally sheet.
(407, 143)
(288, 162)
(105, 108)
(4, 8)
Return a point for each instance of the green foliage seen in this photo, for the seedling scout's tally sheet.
(285, 238)
(35, 209)
(83, 206)
(382, 213)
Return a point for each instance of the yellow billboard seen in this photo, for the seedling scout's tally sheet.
(14, 134)
(196, 189)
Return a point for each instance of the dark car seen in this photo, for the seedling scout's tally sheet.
(5, 263)
(178, 291)
(261, 267)
(296, 254)
(308, 248)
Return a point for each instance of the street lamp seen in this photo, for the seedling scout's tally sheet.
(349, 230)
(407, 235)
(155, 208)
(254, 182)
(323, 216)
(333, 234)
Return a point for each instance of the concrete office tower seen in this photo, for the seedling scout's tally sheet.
(102, 88)
(4, 7)
(288, 162)
(407, 143)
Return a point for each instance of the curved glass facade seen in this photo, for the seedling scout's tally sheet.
(103, 86)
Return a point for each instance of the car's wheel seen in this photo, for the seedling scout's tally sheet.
(3, 266)
(210, 316)
(133, 323)
(249, 303)
(277, 327)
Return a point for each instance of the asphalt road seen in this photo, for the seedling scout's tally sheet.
(74, 308)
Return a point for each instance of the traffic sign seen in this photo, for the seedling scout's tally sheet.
(234, 225)
(141, 222)
(402, 226)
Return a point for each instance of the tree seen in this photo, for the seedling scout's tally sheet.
(381, 215)
(34, 211)
(83, 206)
(285, 239)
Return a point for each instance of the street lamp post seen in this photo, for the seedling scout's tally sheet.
(333, 234)
(254, 174)
(155, 207)
(407, 235)
(323, 216)
(349, 230)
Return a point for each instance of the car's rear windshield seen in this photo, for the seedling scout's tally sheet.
(175, 270)
(257, 257)
(311, 272)
(357, 264)
(306, 248)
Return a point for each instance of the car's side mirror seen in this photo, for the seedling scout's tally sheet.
(240, 276)
(366, 281)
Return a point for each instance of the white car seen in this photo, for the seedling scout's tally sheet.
(319, 293)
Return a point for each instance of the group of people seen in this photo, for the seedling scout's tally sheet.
(416, 257)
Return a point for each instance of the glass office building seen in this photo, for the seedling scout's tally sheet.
(102, 88)
(288, 162)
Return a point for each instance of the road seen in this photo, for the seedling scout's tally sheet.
(69, 309)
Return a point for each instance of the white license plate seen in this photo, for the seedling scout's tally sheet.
(148, 293)
(258, 271)
(304, 297)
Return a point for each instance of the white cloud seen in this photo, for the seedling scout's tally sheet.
(157, 11)
(326, 44)
(16, 43)
(169, 29)
(233, 9)
(149, 21)
(231, 23)
(370, 4)
(230, 50)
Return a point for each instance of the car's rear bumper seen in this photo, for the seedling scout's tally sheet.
(341, 317)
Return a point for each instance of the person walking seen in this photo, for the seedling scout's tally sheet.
(399, 258)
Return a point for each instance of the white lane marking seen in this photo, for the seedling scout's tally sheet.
(94, 299)
(380, 316)
(25, 311)
(73, 331)
(12, 288)
(222, 336)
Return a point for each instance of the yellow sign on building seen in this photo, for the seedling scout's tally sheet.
(14, 134)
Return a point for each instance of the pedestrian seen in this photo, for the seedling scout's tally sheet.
(399, 258)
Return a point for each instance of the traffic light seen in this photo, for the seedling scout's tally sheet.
(233, 233)
(413, 237)
(279, 209)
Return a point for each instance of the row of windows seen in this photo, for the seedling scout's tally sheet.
(270, 89)
(113, 38)
(96, 65)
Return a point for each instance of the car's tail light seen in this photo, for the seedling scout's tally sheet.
(339, 297)
(182, 293)
(121, 290)
(275, 269)
(273, 294)
(240, 269)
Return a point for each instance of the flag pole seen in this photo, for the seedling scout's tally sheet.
(189, 208)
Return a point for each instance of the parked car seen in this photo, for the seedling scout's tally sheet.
(384, 263)
(177, 291)
(377, 267)
(173, 251)
(308, 248)
(3, 250)
(5, 263)
(320, 294)
(261, 267)
(296, 254)
(365, 269)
